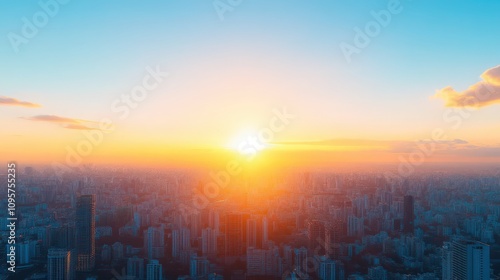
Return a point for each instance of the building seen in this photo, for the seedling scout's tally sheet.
(209, 242)
(300, 260)
(234, 235)
(408, 214)
(330, 269)
(60, 265)
(316, 235)
(198, 267)
(85, 232)
(135, 268)
(154, 242)
(154, 270)
(262, 262)
(181, 242)
(470, 260)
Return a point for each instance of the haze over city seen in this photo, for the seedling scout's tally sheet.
(233, 139)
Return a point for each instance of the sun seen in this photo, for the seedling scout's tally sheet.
(247, 142)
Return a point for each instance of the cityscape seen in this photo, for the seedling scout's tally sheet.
(117, 223)
(249, 140)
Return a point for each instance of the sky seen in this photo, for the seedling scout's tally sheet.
(209, 75)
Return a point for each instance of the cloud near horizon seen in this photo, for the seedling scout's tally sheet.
(9, 101)
(480, 94)
(68, 123)
(444, 147)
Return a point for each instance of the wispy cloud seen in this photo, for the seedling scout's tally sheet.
(77, 126)
(481, 94)
(9, 101)
(69, 123)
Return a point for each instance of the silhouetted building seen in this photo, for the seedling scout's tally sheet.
(408, 214)
(85, 232)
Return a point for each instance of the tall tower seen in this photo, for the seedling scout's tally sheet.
(234, 243)
(408, 214)
(85, 232)
(60, 265)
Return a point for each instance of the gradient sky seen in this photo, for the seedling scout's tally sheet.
(226, 76)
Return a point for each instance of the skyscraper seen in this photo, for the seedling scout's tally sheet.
(470, 260)
(60, 265)
(408, 214)
(234, 234)
(85, 232)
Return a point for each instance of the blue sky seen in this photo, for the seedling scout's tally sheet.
(90, 52)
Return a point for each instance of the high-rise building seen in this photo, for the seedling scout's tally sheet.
(333, 234)
(470, 260)
(209, 242)
(154, 242)
(300, 260)
(316, 235)
(330, 269)
(154, 270)
(446, 261)
(198, 267)
(181, 242)
(234, 235)
(85, 232)
(408, 214)
(135, 268)
(60, 264)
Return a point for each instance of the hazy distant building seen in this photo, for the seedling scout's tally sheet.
(408, 214)
(198, 267)
(330, 269)
(85, 232)
(209, 242)
(470, 260)
(135, 268)
(154, 270)
(181, 242)
(316, 235)
(154, 242)
(300, 260)
(60, 265)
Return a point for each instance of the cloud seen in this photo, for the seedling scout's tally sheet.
(52, 118)
(77, 126)
(480, 94)
(68, 123)
(9, 101)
